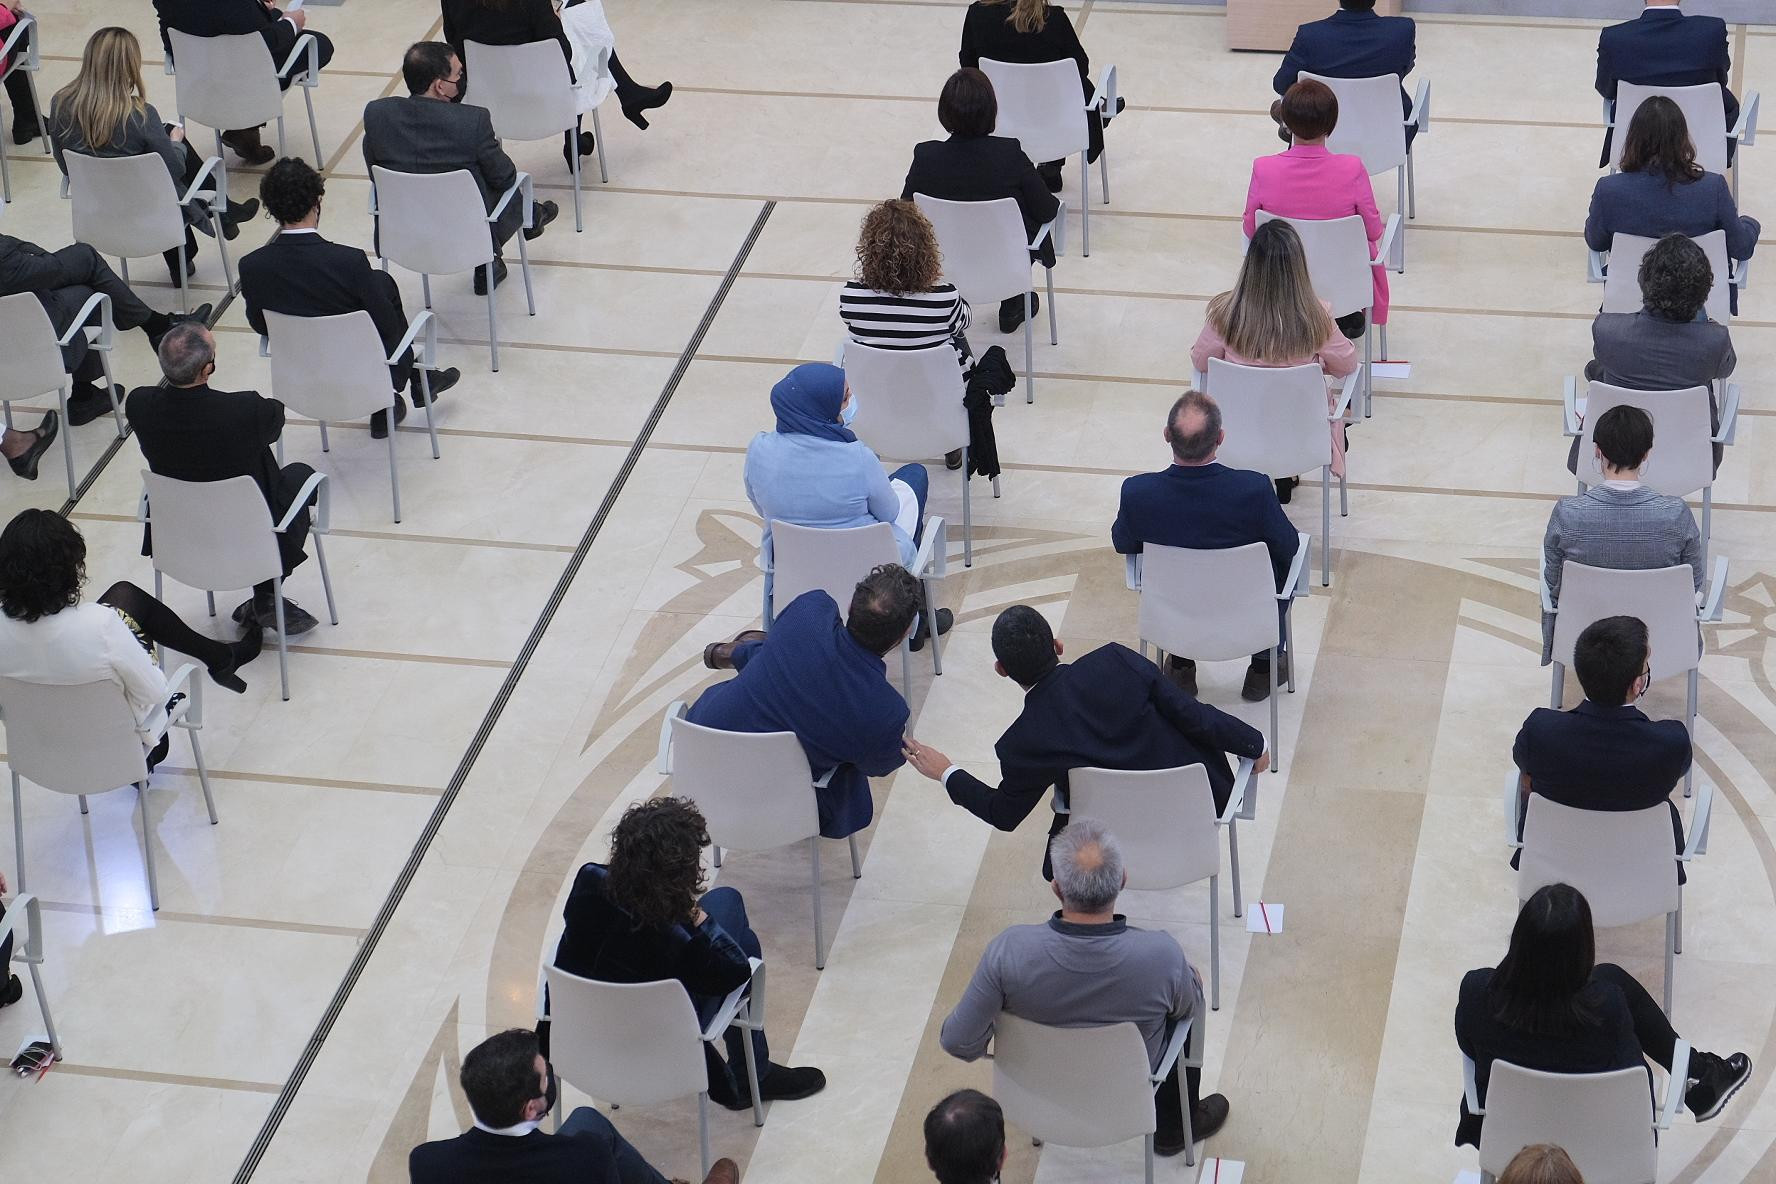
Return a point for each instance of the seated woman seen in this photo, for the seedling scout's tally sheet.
(18, 86)
(1551, 1007)
(105, 112)
(1541, 1163)
(48, 636)
(812, 471)
(1662, 190)
(644, 917)
(1309, 182)
(1272, 318)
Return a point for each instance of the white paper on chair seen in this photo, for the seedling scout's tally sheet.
(1264, 916)
(1216, 1170)
(1393, 369)
(293, 6)
(1579, 404)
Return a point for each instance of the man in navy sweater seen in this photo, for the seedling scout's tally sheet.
(1353, 43)
(1665, 47)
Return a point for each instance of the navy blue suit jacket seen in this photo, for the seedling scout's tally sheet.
(1204, 507)
(1666, 47)
(1353, 45)
(478, 1157)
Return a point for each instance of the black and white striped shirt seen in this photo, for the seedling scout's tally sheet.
(914, 321)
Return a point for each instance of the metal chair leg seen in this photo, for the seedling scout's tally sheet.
(1054, 333)
(314, 132)
(18, 832)
(210, 597)
(148, 846)
(856, 864)
(579, 217)
(1694, 681)
(1085, 204)
(1326, 525)
(203, 773)
(1233, 857)
(425, 391)
(1214, 944)
(492, 323)
(326, 578)
(1368, 363)
(1273, 705)
(967, 515)
(598, 135)
(394, 464)
(67, 435)
(1557, 691)
(1030, 348)
(524, 266)
(819, 928)
(277, 601)
(703, 1128)
(1670, 957)
(425, 288)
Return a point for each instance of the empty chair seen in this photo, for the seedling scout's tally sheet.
(1703, 114)
(437, 224)
(529, 92)
(1042, 106)
(26, 917)
(1370, 126)
(34, 363)
(231, 81)
(1604, 1121)
(30, 60)
(754, 789)
(127, 206)
(1618, 270)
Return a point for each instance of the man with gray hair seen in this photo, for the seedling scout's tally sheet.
(1088, 967)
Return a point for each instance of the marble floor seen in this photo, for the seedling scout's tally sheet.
(397, 839)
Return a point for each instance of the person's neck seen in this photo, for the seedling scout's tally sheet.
(1027, 687)
(1319, 143)
(1192, 464)
(1075, 917)
(1611, 473)
(426, 94)
(1661, 3)
(191, 386)
(312, 222)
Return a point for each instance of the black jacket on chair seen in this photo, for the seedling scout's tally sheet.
(523, 22)
(1665, 47)
(421, 135)
(983, 168)
(221, 18)
(481, 1157)
(304, 275)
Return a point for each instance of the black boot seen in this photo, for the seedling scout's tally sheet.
(645, 99)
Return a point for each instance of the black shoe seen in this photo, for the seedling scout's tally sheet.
(379, 421)
(200, 314)
(190, 263)
(587, 147)
(1051, 175)
(499, 275)
(238, 212)
(1182, 673)
(719, 655)
(246, 145)
(1206, 1120)
(89, 404)
(646, 100)
(945, 618)
(1285, 487)
(241, 652)
(297, 620)
(543, 213)
(1713, 1080)
(1257, 687)
(25, 463)
(1012, 312)
(23, 132)
(440, 381)
(953, 460)
(14, 990)
(783, 1084)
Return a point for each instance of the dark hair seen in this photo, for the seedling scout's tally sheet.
(1193, 447)
(1676, 278)
(1309, 109)
(500, 1077)
(1659, 142)
(42, 565)
(290, 189)
(425, 63)
(1539, 987)
(965, 1138)
(1624, 435)
(1024, 644)
(1608, 658)
(967, 106)
(883, 607)
(656, 867)
(1357, 5)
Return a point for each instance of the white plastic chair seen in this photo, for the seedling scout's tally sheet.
(1166, 822)
(637, 1044)
(217, 535)
(27, 948)
(1704, 114)
(530, 94)
(1089, 1087)
(1276, 423)
(33, 352)
(127, 206)
(1621, 283)
(1604, 1121)
(82, 739)
(28, 63)
(1217, 605)
(1042, 106)
(986, 257)
(910, 408)
(333, 368)
(1343, 274)
(231, 81)
(437, 224)
(1369, 126)
(755, 791)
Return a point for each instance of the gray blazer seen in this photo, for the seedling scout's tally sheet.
(1642, 352)
(139, 134)
(1624, 529)
(420, 135)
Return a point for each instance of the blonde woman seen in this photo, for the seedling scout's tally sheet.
(1272, 318)
(105, 112)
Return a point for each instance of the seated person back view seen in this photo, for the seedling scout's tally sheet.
(1665, 46)
(1111, 709)
(510, 1090)
(824, 680)
(300, 274)
(1541, 1163)
(1202, 505)
(430, 131)
(1086, 967)
(965, 1138)
(1353, 42)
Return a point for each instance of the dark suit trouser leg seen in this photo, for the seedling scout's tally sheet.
(5, 954)
(90, 270)
(726, 908)
(588, 1123)
(291, 542)
(507, 226)
(1654, 1031)
(402, 371)
(325, 47)
(1167, 1113)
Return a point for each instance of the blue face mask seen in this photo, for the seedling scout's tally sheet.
(848, 412)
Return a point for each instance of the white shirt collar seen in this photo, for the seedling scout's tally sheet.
(1624, 486)
(300, 230)
(516, 1132)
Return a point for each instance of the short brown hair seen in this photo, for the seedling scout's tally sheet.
(1194, 447)
(1309, 110)
(897, 250)
(967, 106)
(1541, 1163)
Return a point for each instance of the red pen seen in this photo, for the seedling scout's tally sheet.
(1265, 913)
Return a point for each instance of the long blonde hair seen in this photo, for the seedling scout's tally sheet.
(1027, 16)
(1272, 314)
(107, 90)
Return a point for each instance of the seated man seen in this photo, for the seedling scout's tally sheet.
(1203, 505)
(825, 681)
(511, 1089)
(1088, 967)
(1604, 754)
(219, 18)
(1351, 43)
(965, 1139)
(430, 131)
(191, 432)
(1665, 47)
(1112, 709)
(1619, 524)
(301, 274)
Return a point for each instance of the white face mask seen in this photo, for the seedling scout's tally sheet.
(848, 412)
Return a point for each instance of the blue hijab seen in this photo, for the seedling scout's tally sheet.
(807, 402)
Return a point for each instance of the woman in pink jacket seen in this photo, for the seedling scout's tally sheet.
(1309, 182)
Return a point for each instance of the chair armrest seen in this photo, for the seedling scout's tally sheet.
(674, 710)
(1675, 1084)
(1131, 571)
(1200, 380)
(423, 319)
(1717, 590)
(306, 46)
(210, 165)
(1236, 800)
(1609, 113)
(11, 43)
(1421, 108)
(933, 560)
(264, 346)
(1513, 801)
(1595, 262)
(1745, 131)
(1470, 1087)
(101, 303)
(1542, 581)
(1729, 424)
(1738, 272)
(724, 1016)
(30, 950)
(1104, 101)
(1054, 230)
(1353, 382)
(142, 507)
(322, 520)
(373, 210)
(162, 719)
(521, 185)
(825, 779)
(1174, 1047)
(66, 190)
(1384, 247)
(1293, 584)
(1569, 405)
(1700, 817)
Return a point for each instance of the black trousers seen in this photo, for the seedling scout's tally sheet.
(402, 371)
(193, 166)
(1169, 1115)
(90, 273)
(24, 110)
(162, 626)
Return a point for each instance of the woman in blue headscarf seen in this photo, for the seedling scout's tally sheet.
(812, 471)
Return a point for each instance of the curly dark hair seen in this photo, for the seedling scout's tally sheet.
(42, 565)
(897, 250)
(291, 189)
(656, 868)
(1676, 278)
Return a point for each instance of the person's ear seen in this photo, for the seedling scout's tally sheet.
(1059, 649)
(1055, 887)
(999, 669)
(1125, 877)
(1221, 438)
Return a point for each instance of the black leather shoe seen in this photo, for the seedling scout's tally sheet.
(543, 213)
(1715, 1080)
(379, 421)
(14, 990)
(1182, 673)
(200, 314)
(91, 403)
(945, 618)
(440, 381)
(1015, 309)
(1206, 1120)
(238, 212)
(783, 1084)
(1257, 685)
(1051, 175)
(24, 131)
(587, 146)
(499, 275)
(1285, 487)
(247, 146)
(25, 463)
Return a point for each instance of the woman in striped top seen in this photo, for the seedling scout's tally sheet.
(898, 301)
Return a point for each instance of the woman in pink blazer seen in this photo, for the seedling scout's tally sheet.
(1309, 182)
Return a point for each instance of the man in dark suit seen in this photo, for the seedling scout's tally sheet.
(222, 18)
(1665, 47)
(1111, 709)
(1353, 43)
(301, 274)
(431, 131)
(511, 1090)
(191, 432)
(1206, 506)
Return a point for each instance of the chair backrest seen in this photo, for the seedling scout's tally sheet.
(1603, 1120)
(755, 789)
(1663, 597)
(985, 253)
(1337, 259)
(909, 401)
(434, 223)
(124, 205)
(211, 534)
(1704, 112)
(72, 739)
(1164, 819)
(1275, 417)
(1041, 105)
(228, 81)
(28, 343)
(1369, 121)
(1622, 860)
(526, 88)
(1682, 459)
(1212, 605)
(329, 368)
(805, 558)
(1075, 1087)
(634, 1044)
(1621, 284)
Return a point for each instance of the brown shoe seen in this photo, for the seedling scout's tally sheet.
(246, 145)
(1257, 688)
(1206, 1119)
(719, 655)
(723, 1171)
